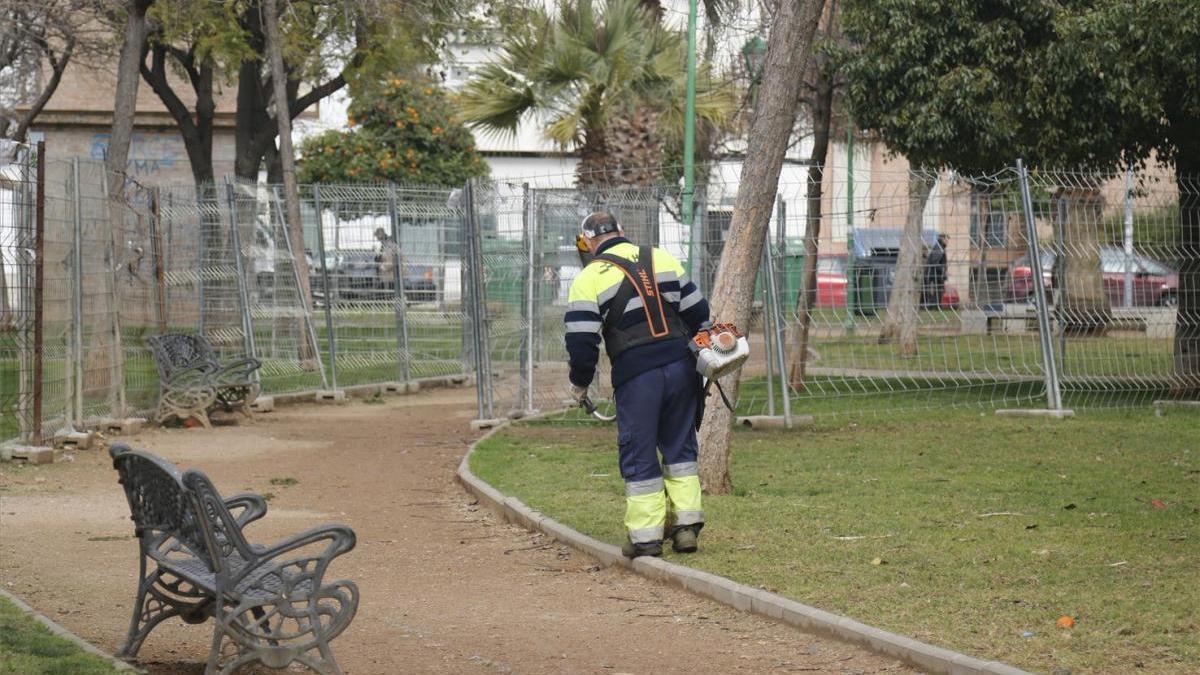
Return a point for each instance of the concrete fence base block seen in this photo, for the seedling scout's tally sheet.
(263, 404)
(362, 390)
(487, 423)
(76, 440)
(401, 388)
(1161, 407)
(125, 426)
(1036, 412)
(330, 396)
(774, 422)
(31, 454)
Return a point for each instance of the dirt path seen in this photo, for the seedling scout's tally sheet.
(446, 588)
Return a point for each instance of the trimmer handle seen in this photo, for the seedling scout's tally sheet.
(586, 404)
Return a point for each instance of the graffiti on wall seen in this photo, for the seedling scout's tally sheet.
(149, 153)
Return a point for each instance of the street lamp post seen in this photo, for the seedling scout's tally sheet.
(754, 57)
(689, 149)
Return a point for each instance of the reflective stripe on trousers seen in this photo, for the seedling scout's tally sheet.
(656, 412)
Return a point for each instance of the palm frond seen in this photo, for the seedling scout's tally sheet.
(566, 130)
(495, 100)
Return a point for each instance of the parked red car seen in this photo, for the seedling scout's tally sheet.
(1153, 283)
(832, 282)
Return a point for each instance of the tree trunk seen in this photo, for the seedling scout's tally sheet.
(57, 65)
(274, 165)
(1187, 321)
(115, 162)
(902, 306)
(807, 300)
(1085, 308)
(788, 49)
(125, 104)
(287, 161)
(195, 129)
(592, 170)
(251, 122)
(634, 159)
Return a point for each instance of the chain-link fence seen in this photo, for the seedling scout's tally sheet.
(905, 290)
(20, 304)
(87, 279)
(894, 290)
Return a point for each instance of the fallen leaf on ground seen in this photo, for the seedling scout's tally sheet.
(1065, 621)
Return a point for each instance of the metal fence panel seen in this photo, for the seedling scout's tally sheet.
(1018, 284)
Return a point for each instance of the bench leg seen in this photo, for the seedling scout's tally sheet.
(150, 609)
(232, 648)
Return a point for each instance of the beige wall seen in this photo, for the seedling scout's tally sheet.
(157, 155)
(77, 120)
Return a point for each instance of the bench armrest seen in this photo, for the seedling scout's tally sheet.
(194, 374)
(341, 539)
(252, 507)
(235, 372)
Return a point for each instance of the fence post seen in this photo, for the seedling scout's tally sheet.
(767, 324)
(329, 335)
(116, 368)
(403, 354)
(76, 369)
(529, 302)
(773, 302)
(39, 279)
(310, 330)
(1049, 364)
(201, 255)
(156, 250)
(474, 267)
(239, 269)
(1128, 236)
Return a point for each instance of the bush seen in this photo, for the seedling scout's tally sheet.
(403, 131)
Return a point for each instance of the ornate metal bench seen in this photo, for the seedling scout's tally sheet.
(269, 604)
(191, 380)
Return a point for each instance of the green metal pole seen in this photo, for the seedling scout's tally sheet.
(851, 273)
(689, 149)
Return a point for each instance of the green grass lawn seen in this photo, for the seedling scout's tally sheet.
(28, 648)
(952, 526)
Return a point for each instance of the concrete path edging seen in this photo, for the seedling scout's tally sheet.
(810, 619)
(58, 630)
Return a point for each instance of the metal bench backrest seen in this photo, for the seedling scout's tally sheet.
(159, 505)
(178, 351)
(222, 534)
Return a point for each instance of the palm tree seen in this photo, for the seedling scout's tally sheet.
(607, 81)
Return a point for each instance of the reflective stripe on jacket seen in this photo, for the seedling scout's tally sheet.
(590, 297)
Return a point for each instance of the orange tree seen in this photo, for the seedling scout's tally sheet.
(402, 131)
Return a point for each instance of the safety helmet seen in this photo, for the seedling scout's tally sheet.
(598, 223)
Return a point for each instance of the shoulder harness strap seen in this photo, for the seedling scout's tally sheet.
(639, 281)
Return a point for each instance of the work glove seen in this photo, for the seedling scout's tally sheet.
(577, 393)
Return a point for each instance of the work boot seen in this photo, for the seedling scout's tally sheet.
(683, 539)
(650, 548)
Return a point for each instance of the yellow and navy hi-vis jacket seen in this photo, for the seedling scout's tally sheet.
(588, 302)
